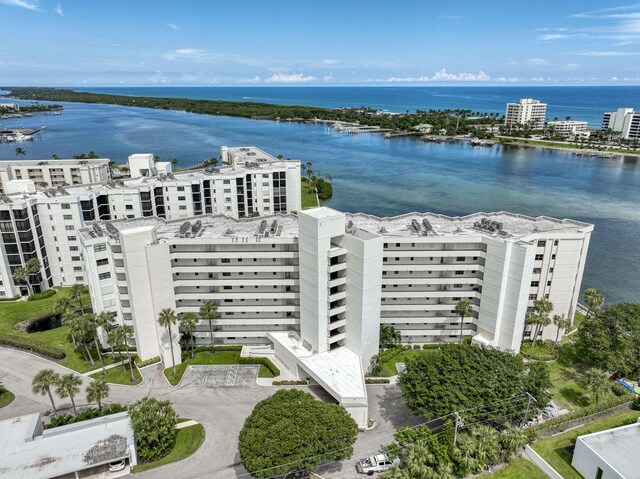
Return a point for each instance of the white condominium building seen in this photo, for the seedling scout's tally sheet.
(43, 223)
(526, 112)
(569, 127)
(624, 121)
(317, 286)
(53, 173)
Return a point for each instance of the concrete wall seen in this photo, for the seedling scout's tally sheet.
(587, 462)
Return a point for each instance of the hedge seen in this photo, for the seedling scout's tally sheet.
(147, 362)
(376, 381)
(289, 383)
(262, 361)
(205, 349)
(90, 413)
(29, 344)
(44, 295)
(13, 298)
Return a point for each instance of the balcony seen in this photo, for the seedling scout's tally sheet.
(337, 251)
(337, 267)
(337, 282)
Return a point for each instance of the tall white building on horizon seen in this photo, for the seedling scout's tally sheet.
(315, 287)
(624, 121)
(525, 112)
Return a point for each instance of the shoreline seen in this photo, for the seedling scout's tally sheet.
(577, 151)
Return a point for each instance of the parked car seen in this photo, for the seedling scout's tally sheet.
(377, 463)
(116, 466)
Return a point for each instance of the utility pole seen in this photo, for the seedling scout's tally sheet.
(459, 424)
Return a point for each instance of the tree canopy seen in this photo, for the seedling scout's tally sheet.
(154, 425)
(458, 377)
(610, 339)
(292, 430)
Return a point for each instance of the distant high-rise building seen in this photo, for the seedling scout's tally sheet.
(624, 121)
(526, 111)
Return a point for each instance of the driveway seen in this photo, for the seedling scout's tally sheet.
(221, 410)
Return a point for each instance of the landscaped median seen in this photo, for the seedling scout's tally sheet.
(519, 468)
(116, 375)
(223, 355)
(188, 441)
(6, 397)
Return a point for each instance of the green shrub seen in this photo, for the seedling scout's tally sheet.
(33, 345)
(416, 346)
(325, 190)
(619, 390)
(636, 403)
(206, 349)
(14, 298)
(544, 350)
(89, 413)
(262, 361)
(289, 383)
(142, 364)
(44, 295)
(376, 381)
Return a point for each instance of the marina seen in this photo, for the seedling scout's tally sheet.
(10, 135)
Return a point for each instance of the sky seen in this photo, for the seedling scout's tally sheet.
(294, 42)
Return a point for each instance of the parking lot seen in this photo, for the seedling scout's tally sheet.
(221, 376)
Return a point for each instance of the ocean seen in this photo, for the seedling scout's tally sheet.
(390, 176)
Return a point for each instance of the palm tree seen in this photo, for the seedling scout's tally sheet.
(561, 322)
(188, 323)
(166, 319)
(463, 309)
(63, 305)
(596, 381)
(539, 317)
(209, 311)
(42, 382)
(97, 391)
(20, 152)
(80, 329)
(95, 322)
(594, 299)
(114, 336)
(68, 385)
(20, 276)
(77, 292)
(127, 335)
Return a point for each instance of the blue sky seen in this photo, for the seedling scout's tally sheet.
(287, 42)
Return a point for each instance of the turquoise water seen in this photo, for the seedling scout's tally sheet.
(387, 177)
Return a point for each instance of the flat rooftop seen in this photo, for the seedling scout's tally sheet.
(27, 453)
(338, 371)
(55, 163)
(619, 447)
(513, 227)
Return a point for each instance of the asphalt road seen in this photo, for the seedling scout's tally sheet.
(221, 410)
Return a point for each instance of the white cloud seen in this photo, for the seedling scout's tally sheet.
(173, 26)
(509, 79)
(255, 79)
(594, 53)
(158, 77)
(289, 78)
(330, 61)
(29, 5)
(537, 61)
(572, 66)
(189, 77)
(439, 76)
(58, 10)
(328, 77)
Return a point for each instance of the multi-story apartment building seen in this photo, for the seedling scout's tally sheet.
(526, 112)
(624, 121)
(569, 128)
(239, 189)
(54, 173)
(318, 285)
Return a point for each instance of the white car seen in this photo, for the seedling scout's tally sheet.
(116, 466)
(377, 463)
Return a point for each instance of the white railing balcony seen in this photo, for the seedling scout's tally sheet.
(337, 267)
(336, 324)
(337, 282)
(337, 251)
(336, 338)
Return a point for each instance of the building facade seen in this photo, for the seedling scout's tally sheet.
(569, 128)
(624, 121)
(43, 223)
(54, 173)
(526, 112)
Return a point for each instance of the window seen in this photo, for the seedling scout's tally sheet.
(532, 296)
(535, 284)
(77, 268)
(71, 238)
(459, 272)
(542, 243)
(225, 260)
(128, 207)
(181, 198)
(102, 276)
(73, 248)
(99, 247)
(537, 270)
(539, 257)
(66, 206)
(102, 262)
(548, 283)
(180, 188)
(75, 258)
(550, 270)
(69, 228)
(67, 217)
(460, 258)
(553, 256)
(555, 243)
(183, 207)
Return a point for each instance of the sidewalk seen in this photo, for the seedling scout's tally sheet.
(89, 373)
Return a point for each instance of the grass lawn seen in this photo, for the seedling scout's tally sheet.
(520, 468)
(309, 199)
(552, 448)
(117, 376)
(388, 368)
(14, 312)
(6, 398)
(219, 357)
(559, 144)
(577, 319)
(188, 441)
